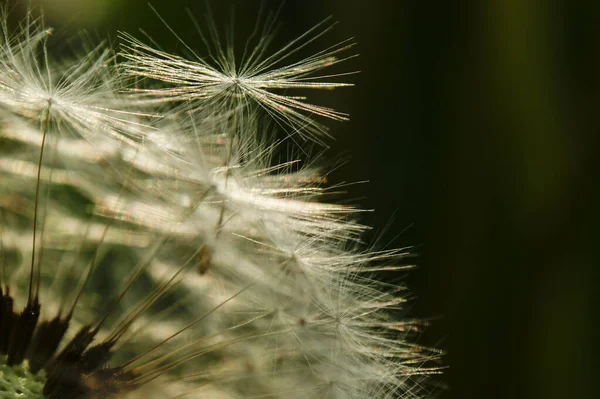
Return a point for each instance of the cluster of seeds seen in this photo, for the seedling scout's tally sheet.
(150, 246)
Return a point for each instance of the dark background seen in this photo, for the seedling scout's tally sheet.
(476, 124)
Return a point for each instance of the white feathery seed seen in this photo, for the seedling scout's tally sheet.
(220, 82)
(83, 95)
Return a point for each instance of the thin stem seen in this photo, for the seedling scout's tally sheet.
(45, 125)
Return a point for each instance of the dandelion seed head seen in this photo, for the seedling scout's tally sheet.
(178, 258)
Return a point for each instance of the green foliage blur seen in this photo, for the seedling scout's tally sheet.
(476, 123)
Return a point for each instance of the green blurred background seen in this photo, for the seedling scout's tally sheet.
(476, 123)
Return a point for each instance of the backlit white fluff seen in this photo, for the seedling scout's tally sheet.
(82, 95)
(249, 284)
(227, 83)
